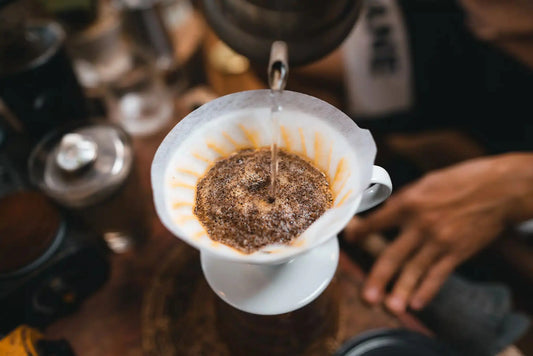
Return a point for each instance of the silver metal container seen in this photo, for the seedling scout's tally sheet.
(89, 170)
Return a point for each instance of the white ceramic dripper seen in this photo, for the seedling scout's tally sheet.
(277, 278)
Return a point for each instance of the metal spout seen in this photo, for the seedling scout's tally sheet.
(278, 66)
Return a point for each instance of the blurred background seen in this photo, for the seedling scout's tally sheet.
(89, 88)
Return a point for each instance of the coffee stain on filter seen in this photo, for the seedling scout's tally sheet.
(251, 136)
(224, 143)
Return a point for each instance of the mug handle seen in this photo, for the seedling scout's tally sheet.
(380, 189)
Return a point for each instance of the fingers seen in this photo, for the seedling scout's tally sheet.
(411, 275)
(434, 279)
(382, 219)
(388, 264)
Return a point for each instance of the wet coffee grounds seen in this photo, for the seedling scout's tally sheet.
(234, 206)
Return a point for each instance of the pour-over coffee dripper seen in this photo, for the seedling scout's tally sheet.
(277, 278)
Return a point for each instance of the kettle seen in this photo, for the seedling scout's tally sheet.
(311, 28)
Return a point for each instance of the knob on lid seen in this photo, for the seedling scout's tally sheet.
(76, 152)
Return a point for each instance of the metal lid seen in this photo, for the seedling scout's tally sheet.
(82, 166)
(393, 342)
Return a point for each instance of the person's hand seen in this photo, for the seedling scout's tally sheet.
(443, 219)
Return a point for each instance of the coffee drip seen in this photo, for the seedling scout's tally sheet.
(278, 71)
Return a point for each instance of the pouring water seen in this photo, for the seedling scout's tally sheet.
(278, 70)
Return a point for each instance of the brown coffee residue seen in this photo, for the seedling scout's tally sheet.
(234, 206)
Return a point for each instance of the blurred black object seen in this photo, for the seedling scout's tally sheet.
(73, 15)
(14, 150)
(55, 283)
(49, 262)
(393, 342)
(476, 318)
(311, 29)
(37, 82)
(54, 348)
(460, 81)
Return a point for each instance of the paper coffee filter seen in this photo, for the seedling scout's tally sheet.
(309, 127)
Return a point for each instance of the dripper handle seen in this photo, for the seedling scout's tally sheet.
(380, 189)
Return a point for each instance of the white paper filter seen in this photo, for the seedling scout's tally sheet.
(309, 127)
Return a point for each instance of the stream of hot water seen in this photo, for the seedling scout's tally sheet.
(278, 70)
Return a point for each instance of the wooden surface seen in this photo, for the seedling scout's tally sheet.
(110, 322)
(135, 311)
(138, 311)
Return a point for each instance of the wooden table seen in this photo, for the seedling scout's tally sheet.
(127, 316)
(148, 304)
(111, 321)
